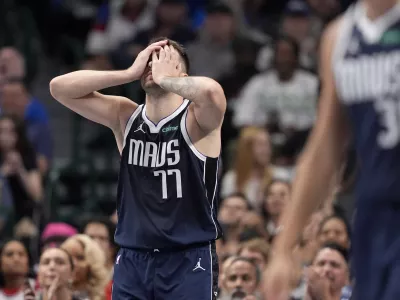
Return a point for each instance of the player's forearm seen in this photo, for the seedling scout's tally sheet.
(81, 83)
(196, 89)
(311, 186)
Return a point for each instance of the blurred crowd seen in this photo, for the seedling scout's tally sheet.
(57, 232)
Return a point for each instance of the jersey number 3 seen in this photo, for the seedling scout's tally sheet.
(389, 109)
(164, 185)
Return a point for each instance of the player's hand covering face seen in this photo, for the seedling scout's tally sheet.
(166, 64)
(141, 61)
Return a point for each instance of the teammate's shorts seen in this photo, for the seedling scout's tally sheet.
(190, 274)
(376, 252)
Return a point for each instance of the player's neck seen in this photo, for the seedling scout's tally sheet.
(159, 107)
(376, 8)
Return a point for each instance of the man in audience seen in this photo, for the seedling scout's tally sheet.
(256, 250)
(328, 276)
(211, 54)
(16, 100)
(241, 280)
(102, 231)
(232, 211)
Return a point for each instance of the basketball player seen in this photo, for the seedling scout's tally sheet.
(360, 73)
(169, 149)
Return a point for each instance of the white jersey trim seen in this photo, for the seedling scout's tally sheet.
(130, 122)
(187, 138)
(155, 128)
(212, 273)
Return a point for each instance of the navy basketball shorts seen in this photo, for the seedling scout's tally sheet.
(190, 274)
(376, 252)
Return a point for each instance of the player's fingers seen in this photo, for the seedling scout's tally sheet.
(161, 55)
(154, 57)
(167, 52)
(160, 43)
(153, 49)
(174, 54)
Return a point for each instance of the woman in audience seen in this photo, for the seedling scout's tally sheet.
(55, 275)
(18, 166)
(90, 274)
(14, 269)
(251, 170)
(277, 195)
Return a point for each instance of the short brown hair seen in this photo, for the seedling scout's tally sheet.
(256, 245)
(179, 47)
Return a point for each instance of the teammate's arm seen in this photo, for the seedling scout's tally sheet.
(78, 90)
(206, 94)
(319, 162)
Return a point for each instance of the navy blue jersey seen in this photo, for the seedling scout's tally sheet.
(167, 192)
(366, 64)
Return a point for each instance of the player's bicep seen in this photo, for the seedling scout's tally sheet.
(99, 108)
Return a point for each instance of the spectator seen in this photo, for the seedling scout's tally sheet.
(90, 275)
(277, 196)
(102, 231)
(12, 65)
(232, 210)
(242, 278)
(334, 229)
(55, 274)
(253, 227)
(328, 276)
(256, 250)
(211, 54)
(251, 169)
(15, 100)
(114, 25)
(14, 269)
(171, 22)
(19, 167)
(285, 93)
(54, 234)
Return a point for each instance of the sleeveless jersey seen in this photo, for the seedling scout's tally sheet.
(366, 66)
(167, 190)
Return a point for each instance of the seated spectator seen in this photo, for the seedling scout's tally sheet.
(241, 280)
(16, 100)
(19, 166)
(230, 215)
(102, 231)
(12, 65)
(256, 250)
(211, 54)
(54, 234)
(253, 227)
(328, 276)
(171, 22)
(90, 274)
(334, 229)
(283, 98)
(114, 25)
(14, 270)
(277, 195)
(251, 168)
(55, 275)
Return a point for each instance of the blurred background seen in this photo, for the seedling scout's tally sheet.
(59, 171)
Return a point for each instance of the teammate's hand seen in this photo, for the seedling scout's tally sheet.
(166, 64)
(142, 60)
(278, 278)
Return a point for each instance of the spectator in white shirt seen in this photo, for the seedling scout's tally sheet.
(285, 90)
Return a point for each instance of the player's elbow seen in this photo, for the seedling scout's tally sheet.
(215, 93)
(56, 87)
